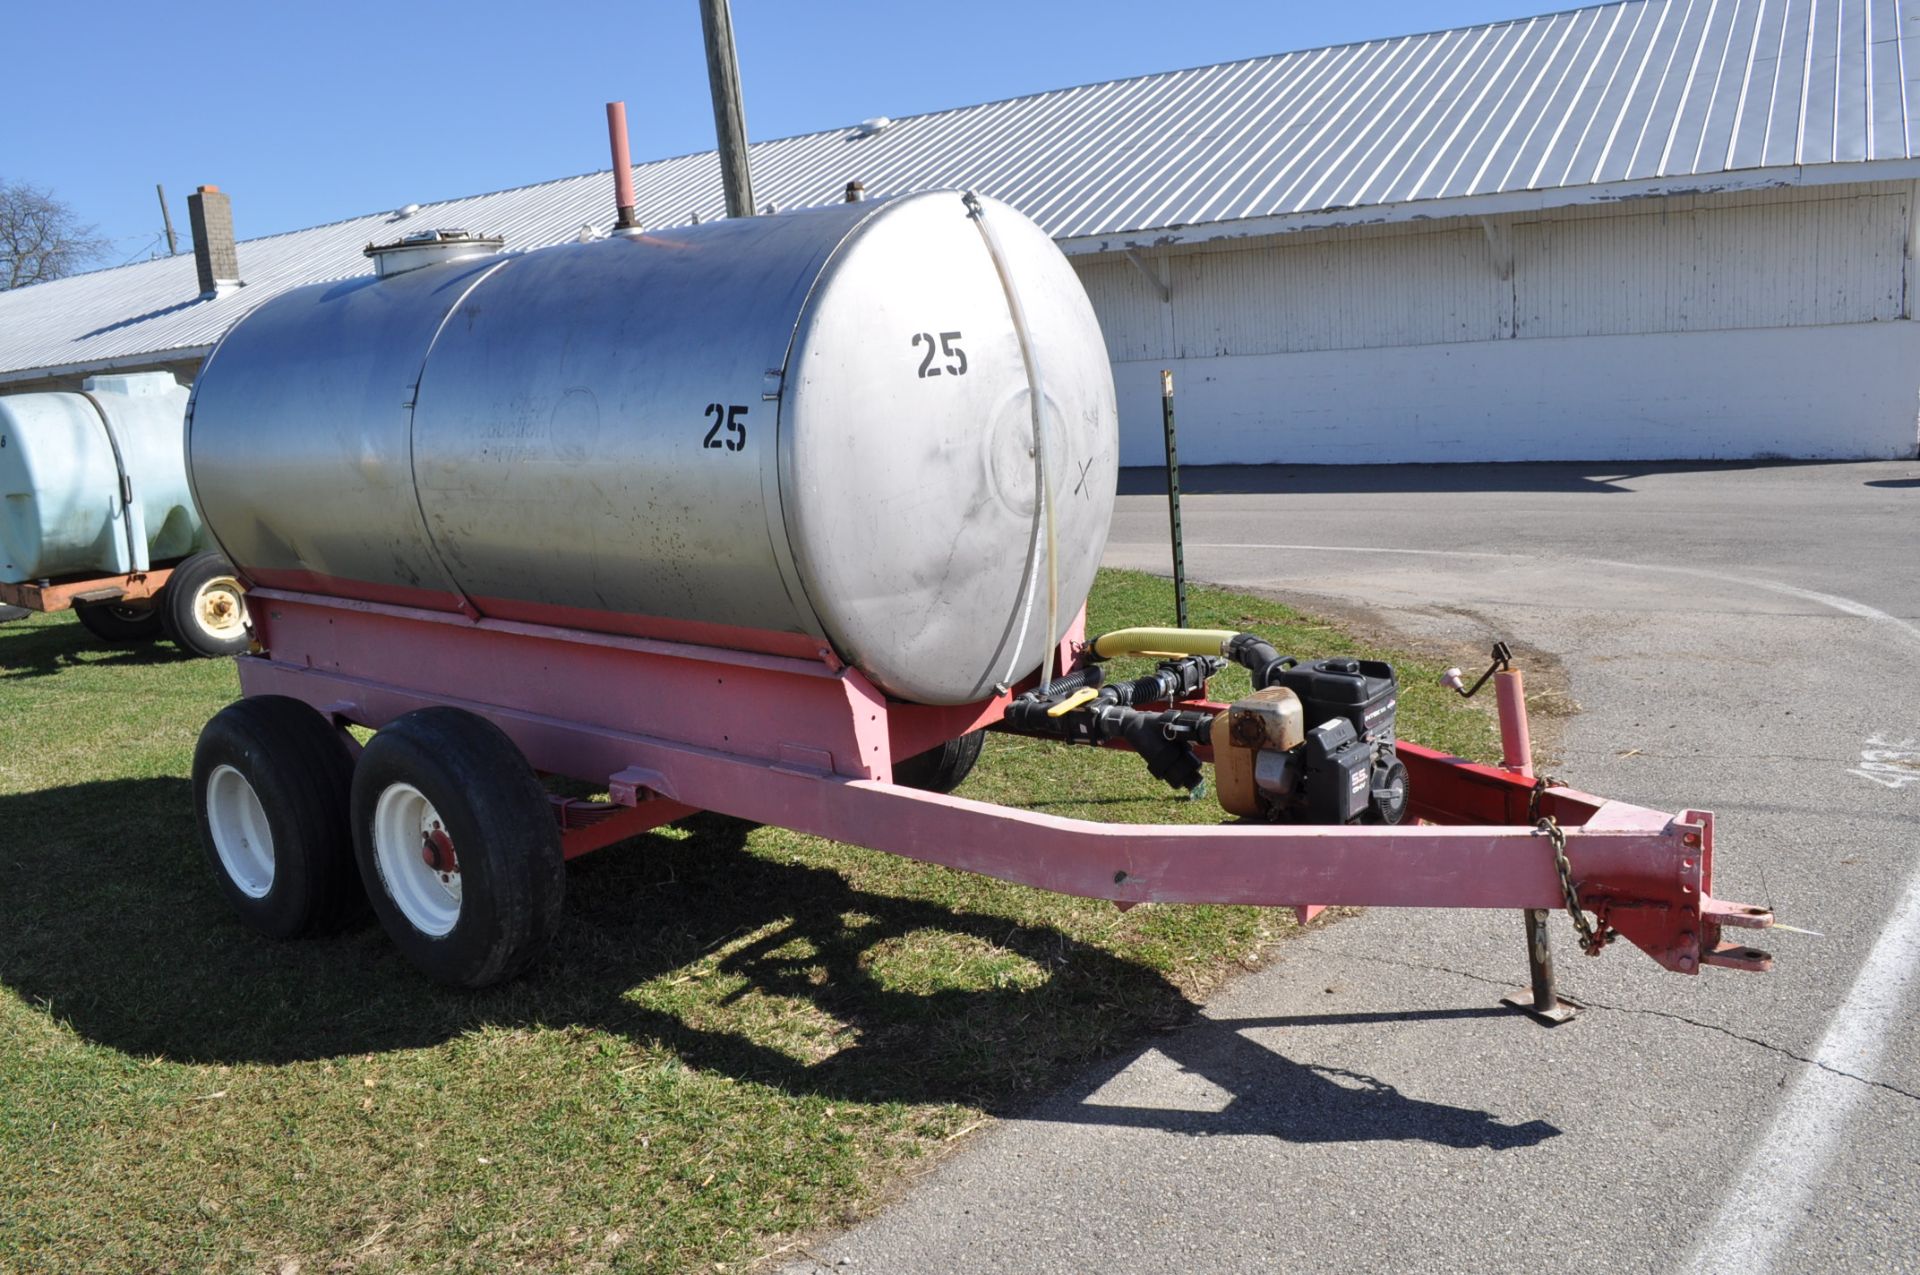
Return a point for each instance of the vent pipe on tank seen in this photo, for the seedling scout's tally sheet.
(856, 191)
(429, 248)
(624, 216)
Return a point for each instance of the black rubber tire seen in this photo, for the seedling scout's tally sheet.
(941, 769)
(302, 774)
(119, 624)
(8, 614)
(183, 607)
(512, 874)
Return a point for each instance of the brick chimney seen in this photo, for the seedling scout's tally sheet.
(214, 256)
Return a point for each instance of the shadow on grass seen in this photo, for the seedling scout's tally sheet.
(42, 650)
(114, 928)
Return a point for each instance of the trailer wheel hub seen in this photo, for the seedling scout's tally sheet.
(415, 857)
(436, 848)
(220, 608)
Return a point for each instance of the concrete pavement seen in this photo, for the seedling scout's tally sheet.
(1740, 638)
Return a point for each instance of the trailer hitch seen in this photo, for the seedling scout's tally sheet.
(1682, 926)
(1683, 930)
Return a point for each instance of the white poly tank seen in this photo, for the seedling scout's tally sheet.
(63, 455)
(814, 429)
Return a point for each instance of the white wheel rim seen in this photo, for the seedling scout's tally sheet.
(241, 836)
(404, 821)
(220, 609)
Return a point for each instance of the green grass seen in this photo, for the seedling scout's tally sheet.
(742, 1035)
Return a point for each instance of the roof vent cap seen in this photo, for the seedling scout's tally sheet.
(873, 127)
(430, 248)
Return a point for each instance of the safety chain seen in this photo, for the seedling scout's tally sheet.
(1592, 941)
(1540, 786)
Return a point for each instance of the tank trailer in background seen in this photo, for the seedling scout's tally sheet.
(96, 516)
(776, 517)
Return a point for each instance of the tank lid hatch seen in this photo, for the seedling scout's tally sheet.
(430, 248)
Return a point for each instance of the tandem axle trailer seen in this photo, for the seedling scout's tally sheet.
(461, 849)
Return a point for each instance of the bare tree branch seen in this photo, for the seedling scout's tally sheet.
(40, 238)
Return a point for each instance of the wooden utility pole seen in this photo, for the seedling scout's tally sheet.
(173, 245)
(729, 114)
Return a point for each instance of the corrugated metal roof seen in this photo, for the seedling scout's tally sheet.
(1642, 97)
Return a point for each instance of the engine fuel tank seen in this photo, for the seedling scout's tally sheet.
(775, 433)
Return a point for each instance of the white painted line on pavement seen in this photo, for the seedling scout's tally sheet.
(1422, 553)
(1846, 606)
(1770, 1201)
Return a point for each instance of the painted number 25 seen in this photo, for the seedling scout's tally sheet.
(949, 346)
(726, 419)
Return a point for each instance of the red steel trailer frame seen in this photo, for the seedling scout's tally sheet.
(61, 594)
(194, 601)
(797, 739)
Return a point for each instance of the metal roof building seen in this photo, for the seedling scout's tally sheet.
(1603, 232)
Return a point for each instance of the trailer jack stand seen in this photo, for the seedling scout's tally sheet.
(1544, 1002)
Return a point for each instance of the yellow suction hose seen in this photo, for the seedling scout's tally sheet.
(1162, 642)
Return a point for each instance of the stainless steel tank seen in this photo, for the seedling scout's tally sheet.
(815, 424)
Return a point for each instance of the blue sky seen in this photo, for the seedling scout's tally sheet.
(311, 112)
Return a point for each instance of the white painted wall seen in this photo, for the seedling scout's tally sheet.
(1849, 391)
(1770, 323)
